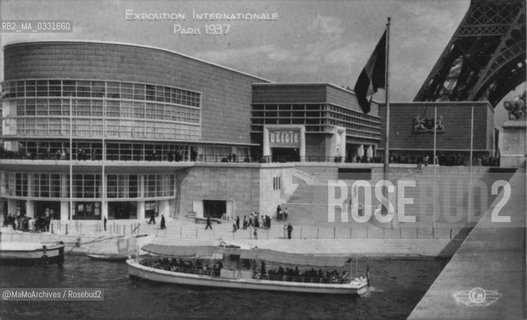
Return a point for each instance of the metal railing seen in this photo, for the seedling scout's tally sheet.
(314, 232)
(58, 227)
(277, 231)
(165, 157)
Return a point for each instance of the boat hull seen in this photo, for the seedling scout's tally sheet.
(107, 257)
(23, 254)
(137, 270)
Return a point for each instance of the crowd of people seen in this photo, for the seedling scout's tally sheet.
(444, 159)
(21, 222)
(89, 154)
(281, 214)
(276, 274)
(295, 275)
(365, 159)
(185, 266)
(48, 154)
(255, 220)
(59, 154)
(230, 158)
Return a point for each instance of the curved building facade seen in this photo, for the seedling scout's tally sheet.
(101, 129)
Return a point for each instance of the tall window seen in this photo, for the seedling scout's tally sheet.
(122, 186)
(21, 184)
(86, 185)
(277, 183)
(157, 185)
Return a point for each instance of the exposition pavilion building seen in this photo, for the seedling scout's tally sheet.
(93, 130)
(143, 110)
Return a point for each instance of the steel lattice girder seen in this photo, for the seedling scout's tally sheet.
(485, 59)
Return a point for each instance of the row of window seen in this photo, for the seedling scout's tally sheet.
(311, 118)
(100, 89)
(354, 130)
(289, 114)
(47, 185)
(125, 151)
(307, 110)
(94, 108)
(290, 121)
(288, 107)
(353, 113)
(358, 123)
(46, 150)
(258, 128)
(355, 116)
(93, 128)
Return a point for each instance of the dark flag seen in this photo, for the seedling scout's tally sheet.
(372, 76)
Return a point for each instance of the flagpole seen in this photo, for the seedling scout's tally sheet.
(70, 215)
(387, 103)
(104, 209)
(470, 200)
(435, 174)
(387, 126)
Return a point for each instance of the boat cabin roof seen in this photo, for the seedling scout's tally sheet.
(200, 252)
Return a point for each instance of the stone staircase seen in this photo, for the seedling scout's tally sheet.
(308, 205)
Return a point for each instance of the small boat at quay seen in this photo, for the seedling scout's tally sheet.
(22, 253)
(107, 257)
(257, 269)
(121, 250)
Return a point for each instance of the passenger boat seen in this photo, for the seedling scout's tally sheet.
(258, 269)
(31, 253)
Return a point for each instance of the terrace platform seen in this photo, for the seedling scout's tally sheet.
(492, 258)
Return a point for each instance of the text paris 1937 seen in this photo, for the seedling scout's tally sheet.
(218, 29)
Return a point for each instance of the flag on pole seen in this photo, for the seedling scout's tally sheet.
(373, 76)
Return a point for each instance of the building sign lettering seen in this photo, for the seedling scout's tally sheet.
(284, 138)
(426, 124)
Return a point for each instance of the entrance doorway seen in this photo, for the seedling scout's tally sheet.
(285, 154)
(151, 207)
(214, 208)
(122, 210)
(353, 153)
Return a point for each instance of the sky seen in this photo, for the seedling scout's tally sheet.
(310, 41)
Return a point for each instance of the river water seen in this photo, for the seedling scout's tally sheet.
(397, 286)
